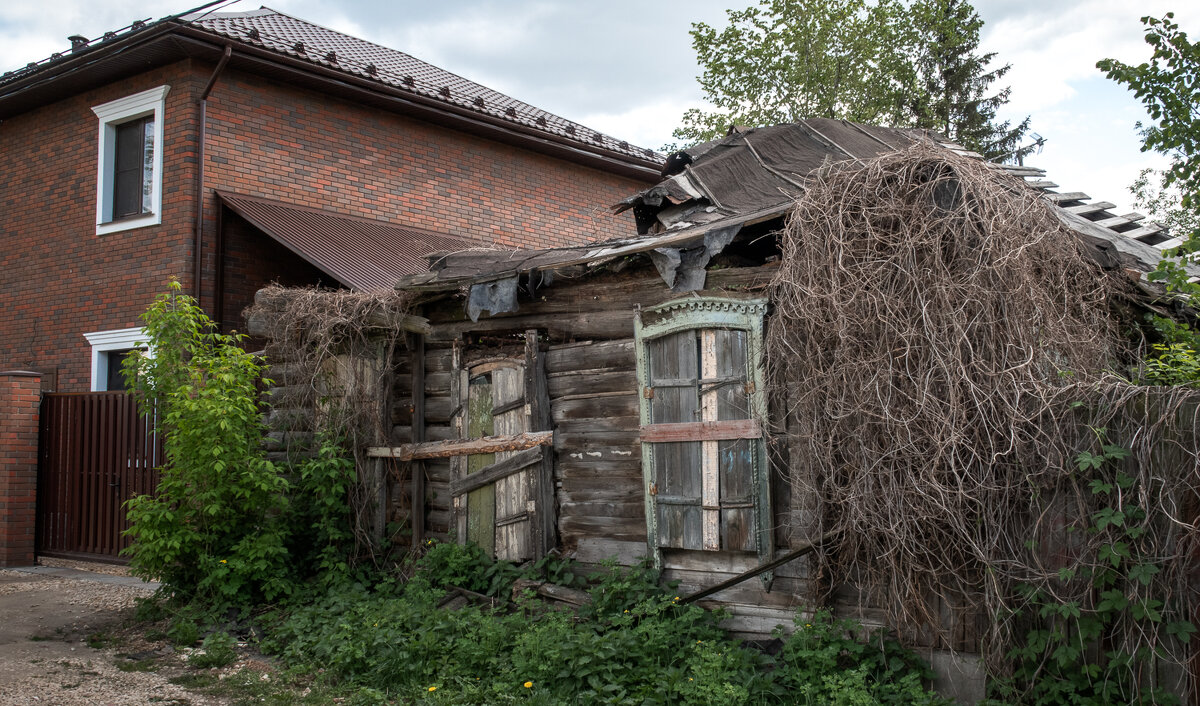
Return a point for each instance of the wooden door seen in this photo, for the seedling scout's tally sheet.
(499, 515)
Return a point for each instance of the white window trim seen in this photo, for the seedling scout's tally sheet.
(111, 115)
(105, 341)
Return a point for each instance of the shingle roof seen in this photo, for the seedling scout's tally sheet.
(299, 39)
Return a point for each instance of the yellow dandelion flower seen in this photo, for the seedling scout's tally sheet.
(224, 562)
(676, 598)
(528, 685)
(433, 688)
(627, 611)
(690, 679)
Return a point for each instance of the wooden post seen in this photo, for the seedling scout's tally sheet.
(458, 416)
(417, 466)
(543, 523)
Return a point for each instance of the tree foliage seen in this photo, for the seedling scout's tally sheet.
(1169, 88)
(873, 61)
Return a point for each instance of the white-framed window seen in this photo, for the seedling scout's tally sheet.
(109, 349)
(130, 163)
(703, 409)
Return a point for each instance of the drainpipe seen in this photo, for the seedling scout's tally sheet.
(198, 244)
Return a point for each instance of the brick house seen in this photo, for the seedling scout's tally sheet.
(232, 150)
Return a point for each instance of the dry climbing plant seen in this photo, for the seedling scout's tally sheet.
(942, 347)
(332, 355)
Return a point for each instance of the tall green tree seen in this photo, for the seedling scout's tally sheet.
(784, 60)
(952, 93)
(874, 61)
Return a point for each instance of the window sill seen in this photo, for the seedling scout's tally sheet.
(142, 221)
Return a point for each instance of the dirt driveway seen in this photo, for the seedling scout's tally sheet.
(57, 644)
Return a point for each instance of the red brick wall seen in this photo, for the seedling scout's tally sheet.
(58, 279)
(278, 141)
(20, 397)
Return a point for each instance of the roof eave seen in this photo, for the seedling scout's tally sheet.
(249, 57)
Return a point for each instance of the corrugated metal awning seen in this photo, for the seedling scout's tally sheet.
(361, 253)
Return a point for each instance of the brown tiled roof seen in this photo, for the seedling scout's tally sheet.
(361, 253)
(299, 39)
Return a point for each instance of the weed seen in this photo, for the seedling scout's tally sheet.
(217, 650)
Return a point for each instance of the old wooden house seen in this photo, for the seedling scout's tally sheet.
(609, 401)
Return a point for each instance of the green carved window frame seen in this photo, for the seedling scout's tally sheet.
(728, 339)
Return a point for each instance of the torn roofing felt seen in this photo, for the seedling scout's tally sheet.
(713, 190)
(361, 253)
(759, 167)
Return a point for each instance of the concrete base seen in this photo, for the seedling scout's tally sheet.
(958, 676)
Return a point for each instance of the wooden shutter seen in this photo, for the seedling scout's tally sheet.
(704, 486)
(702, 447)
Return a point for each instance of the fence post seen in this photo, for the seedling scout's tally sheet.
(20, 397)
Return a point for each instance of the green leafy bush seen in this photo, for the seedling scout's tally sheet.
(215, 530)
(226, 527)
(1080, 649)
(635, 644)
(217, 650)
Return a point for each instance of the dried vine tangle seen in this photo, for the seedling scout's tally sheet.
(334, 355)
(935, 331)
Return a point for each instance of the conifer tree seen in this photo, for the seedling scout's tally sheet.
(953, 81)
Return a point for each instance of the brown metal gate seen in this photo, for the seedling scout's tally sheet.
(96, 453)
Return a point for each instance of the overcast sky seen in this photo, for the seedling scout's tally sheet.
(627, 68)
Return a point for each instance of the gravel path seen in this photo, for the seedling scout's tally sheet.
(51, 613)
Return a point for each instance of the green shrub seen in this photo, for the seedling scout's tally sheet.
(215, 529)
(226, 527)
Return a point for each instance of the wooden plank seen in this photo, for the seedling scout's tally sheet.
(760, 569)
(710, 498)
(598, 406)
(512, 524)
(417, 436)
(458, 463)
(463, 447)
(1041, 184)
(594, 380)
(603, 323)
(569, 357)
(1148, 229)
(500, 469)
(543, 525)
(1114, 222)
(481, 502)
(702, 431)
(1090, 208)
(1068, 196)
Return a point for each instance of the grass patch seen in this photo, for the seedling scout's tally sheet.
(138, 665)
(99, 640)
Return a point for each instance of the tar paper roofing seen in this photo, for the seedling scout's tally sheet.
(754, 175)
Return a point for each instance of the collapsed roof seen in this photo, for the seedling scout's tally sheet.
(713, 191)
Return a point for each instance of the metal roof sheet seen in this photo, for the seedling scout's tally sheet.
(295, 37)
(361, 253)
